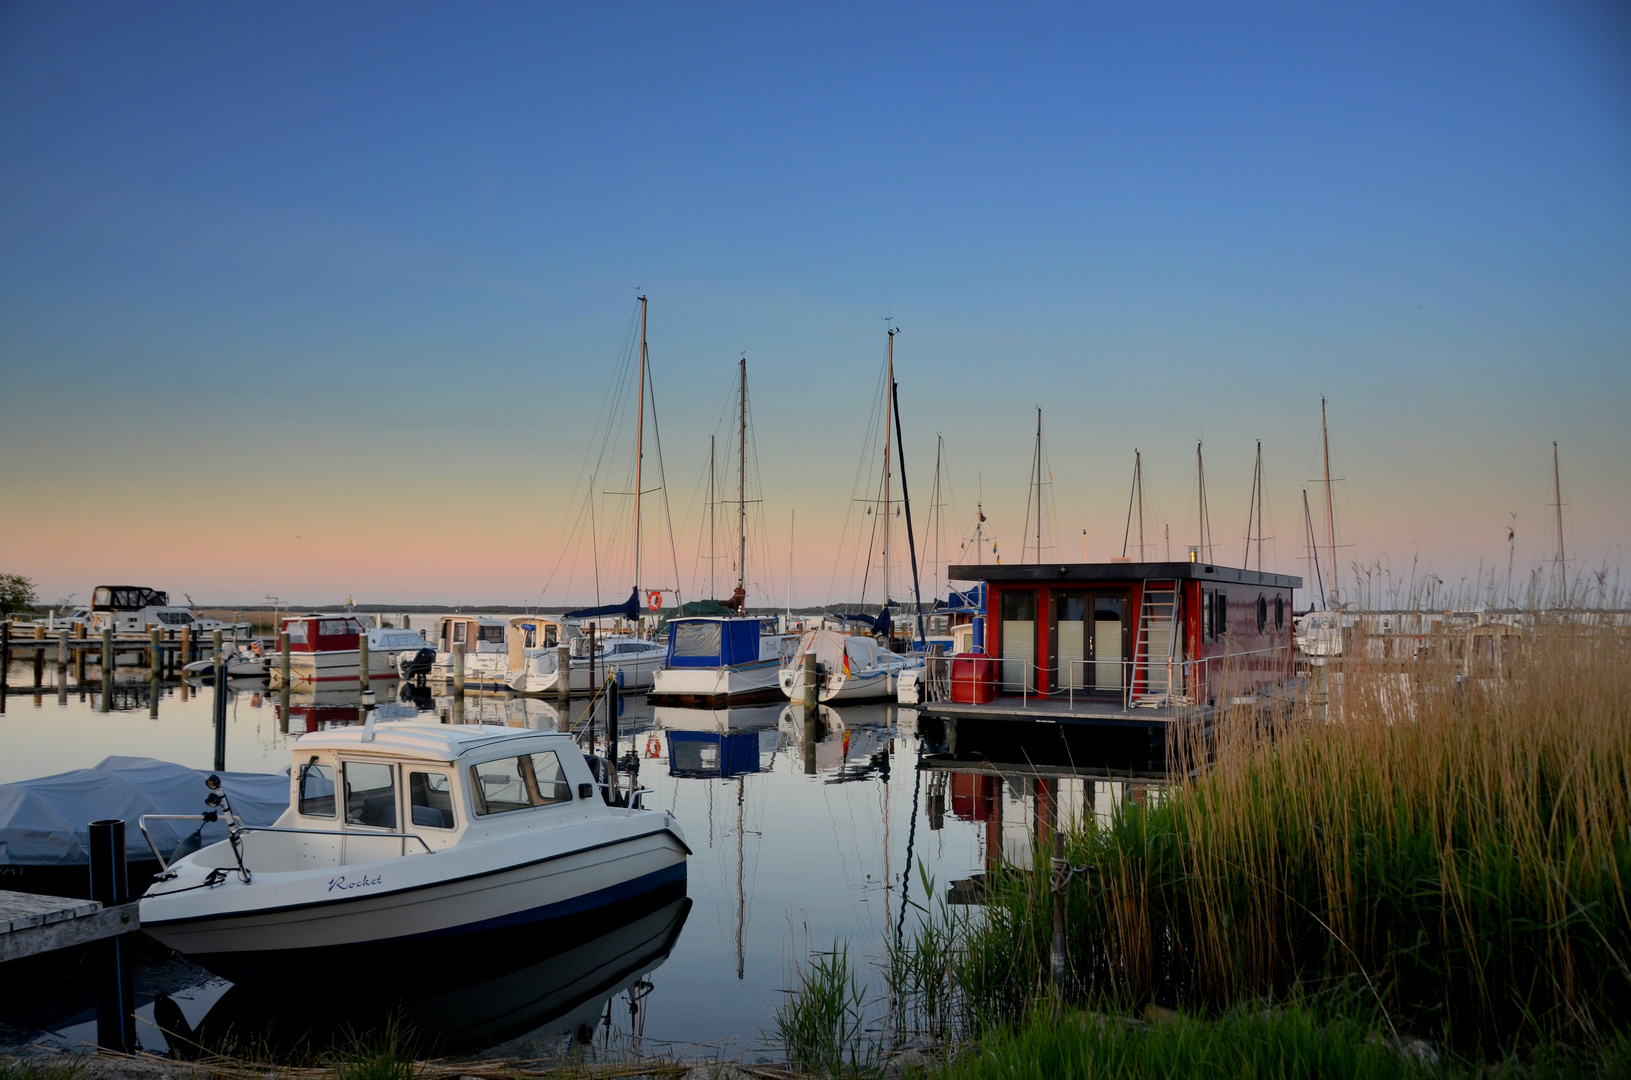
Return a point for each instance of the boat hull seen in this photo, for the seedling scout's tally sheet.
(334, 666)
(445, 916)
(856, 686)
(742, 684)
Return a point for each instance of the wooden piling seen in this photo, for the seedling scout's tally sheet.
(115, 989)
(458, 671)
(812, 712)
(362, 660)
(155, 653)
(39, 655)
(63, 649)
(107, 651)
(283, 662)
(79, 653)
(186, 646)
(563, 676)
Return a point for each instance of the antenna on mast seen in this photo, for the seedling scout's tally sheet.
(1204, 540)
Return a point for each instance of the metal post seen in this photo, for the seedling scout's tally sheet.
(220, 711)
(407, 622)
(362, 661)
(283, 659)
(611, 730)
(115, 989)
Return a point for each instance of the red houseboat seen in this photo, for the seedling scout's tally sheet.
(1120, 641)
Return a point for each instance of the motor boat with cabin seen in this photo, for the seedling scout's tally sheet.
(849, 667)
(325, 648)
(137, 609)
(411, 847)
(486, 652)
(634, 662)
(721, 660)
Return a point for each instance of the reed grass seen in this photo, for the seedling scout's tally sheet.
(822, 1022)
(1446, 850)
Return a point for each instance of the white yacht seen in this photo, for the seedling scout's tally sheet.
(486, 652)
(849, 667)
(414, 839)
(633, 661)
(721, 660)
(136, 609)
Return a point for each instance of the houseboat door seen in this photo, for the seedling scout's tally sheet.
(1089, 632)
(1018, 640)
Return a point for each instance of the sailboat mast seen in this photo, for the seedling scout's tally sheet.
(1330, 510)
(713, 588)
(741, 492)
(1204, 540)
(639, 451)
(888, 413)
(1138, 482)
(1313, 549)
(1259, 485)
(1038, 485)
(792, 531)
(1557, 498)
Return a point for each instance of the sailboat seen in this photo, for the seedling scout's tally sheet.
(851, 667)
(628, 658)
(1319, 631)
(715, 660)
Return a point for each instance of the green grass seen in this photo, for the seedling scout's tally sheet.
(55, 1068)
(822, 1022)
(1246, 1043)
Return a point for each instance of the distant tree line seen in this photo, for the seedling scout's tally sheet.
(17, 593)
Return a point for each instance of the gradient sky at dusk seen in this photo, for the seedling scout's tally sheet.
(318, 299)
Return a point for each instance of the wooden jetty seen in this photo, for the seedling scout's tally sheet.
(31, 924)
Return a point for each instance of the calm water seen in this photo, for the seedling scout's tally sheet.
(799, 842)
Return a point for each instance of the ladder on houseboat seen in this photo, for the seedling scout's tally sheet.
(1155, 648)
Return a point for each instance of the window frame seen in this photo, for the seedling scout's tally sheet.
(452, 795)
(300, 789)
(342, 792)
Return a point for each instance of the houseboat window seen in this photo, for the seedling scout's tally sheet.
(317, 791)
(430, 798)
(370, 794)
(1207, 633)
(492, 633)
(697, 638)
(1279, 613)
(1018, 640)
(1070, 653)
(334, 627)
(1262, 612)
(1220, 613)
(458, 633)
(551, 781)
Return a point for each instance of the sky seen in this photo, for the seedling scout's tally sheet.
(327, 300)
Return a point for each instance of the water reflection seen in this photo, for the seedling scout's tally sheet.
(519, 995)
(805, 830)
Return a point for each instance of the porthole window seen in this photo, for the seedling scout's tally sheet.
(1262, 612)
(1279, 613)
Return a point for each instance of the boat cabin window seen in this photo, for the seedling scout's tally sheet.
(430, 796)
(175, 618)
(317, 791)
(697, 639)
(370, 794)
(518, 783)
(458, 632)
(491, 633)
(296, 631)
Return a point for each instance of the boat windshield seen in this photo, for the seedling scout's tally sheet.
(518, 783)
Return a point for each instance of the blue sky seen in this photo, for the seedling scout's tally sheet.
(362, 272)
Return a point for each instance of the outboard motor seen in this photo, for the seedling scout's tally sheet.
(418, 665)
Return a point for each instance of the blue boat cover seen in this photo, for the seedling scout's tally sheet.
(46, 821)
(710, 643)
(699, 754)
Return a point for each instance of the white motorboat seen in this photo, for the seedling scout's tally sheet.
(718, 661)
(632, 661)
(486, 652)
(849, 667)
(506, 830)
(137, 609)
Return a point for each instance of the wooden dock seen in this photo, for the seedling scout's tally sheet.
(32, 924)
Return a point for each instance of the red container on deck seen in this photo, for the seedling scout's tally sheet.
(973, 679)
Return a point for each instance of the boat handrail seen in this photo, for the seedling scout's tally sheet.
(141, 823)
(634, 797)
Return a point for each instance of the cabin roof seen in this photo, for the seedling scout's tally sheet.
(1043, 573)
(415, 739)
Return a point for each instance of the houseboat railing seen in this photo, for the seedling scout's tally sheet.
(1184, 677)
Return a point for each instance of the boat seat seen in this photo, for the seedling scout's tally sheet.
(429, 816)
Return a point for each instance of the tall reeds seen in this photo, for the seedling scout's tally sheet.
(1447, 844)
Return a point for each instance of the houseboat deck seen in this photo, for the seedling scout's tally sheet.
(1108, 713)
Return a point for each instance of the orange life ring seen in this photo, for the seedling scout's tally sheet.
(654, 600)
(654, 746)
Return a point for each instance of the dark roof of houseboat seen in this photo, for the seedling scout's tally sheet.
(1121, 571)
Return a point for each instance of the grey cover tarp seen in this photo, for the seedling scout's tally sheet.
(46, 821)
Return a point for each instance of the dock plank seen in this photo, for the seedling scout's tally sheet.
(31, 924)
